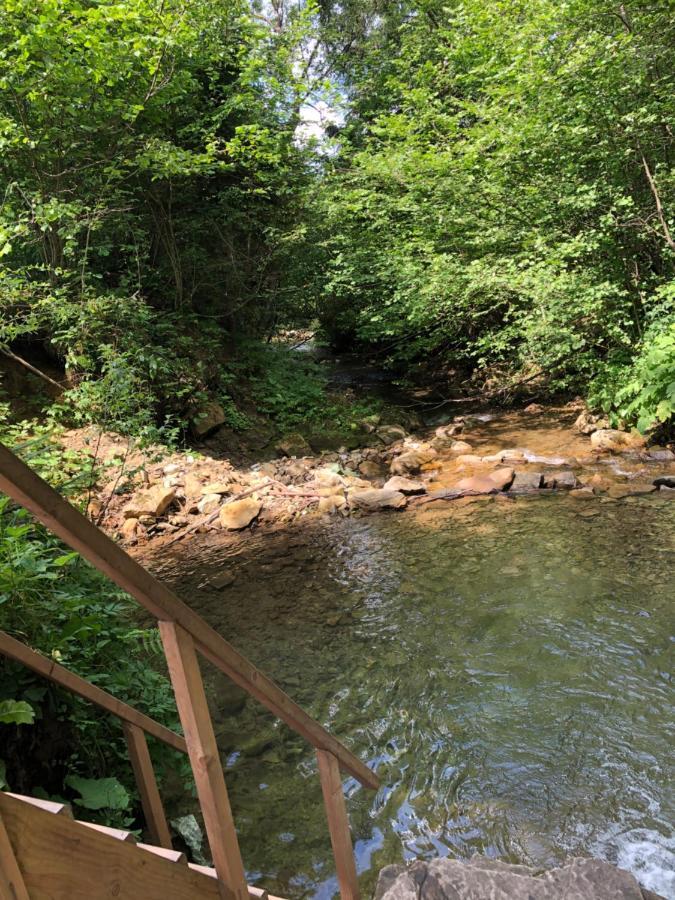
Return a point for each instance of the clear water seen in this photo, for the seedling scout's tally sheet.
(505, 667)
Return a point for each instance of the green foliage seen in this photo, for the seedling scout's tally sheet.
(59, 605)
(501, 195)
(149, 183)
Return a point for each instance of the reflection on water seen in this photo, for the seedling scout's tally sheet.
(504, 666)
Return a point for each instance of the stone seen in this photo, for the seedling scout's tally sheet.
(192, 486)
(412, 460)
(526, 482)
(239, 513)
(661, 454)
(207, 419)
(478, 484)
(217, 487)
(209, 503)
(332, 503)
(370, 423)
(404, 485)
(532, 409)
(445, 435)
(599, 484)
(470, 459)
(631, 489)
(370, 468)
(293, 445)
(460, 447)
(389, 434)
(610, 440)
(587, 422)
(479, 877)
(665, 481)
(502, 478)
(377, 499)
(129, 528)
(153, 501)
(585, 493)
(564, 480)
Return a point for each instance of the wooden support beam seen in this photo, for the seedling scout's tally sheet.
(18, 481)
(338, 825)
(12, 885)
(214, 802)
(146, 782)
(51, 670)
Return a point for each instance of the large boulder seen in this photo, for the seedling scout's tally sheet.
(208, 418)
(609, 440)
(239, 513)
(489, 879)
(154, 501)
(377, 499)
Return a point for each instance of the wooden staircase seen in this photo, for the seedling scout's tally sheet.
(45, 853)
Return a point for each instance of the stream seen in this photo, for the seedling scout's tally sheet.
(504, 666)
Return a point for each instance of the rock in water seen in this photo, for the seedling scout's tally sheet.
(609, 439)
(524, 482)
(210, 417)
(377, 499)
(452, 879)
(405, 485)
(153, 501)
(240, 513)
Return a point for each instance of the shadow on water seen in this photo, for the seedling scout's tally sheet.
(504, 666)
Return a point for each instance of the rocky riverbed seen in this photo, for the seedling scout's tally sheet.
(494, 454)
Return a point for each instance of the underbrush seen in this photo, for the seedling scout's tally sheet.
(53, 744)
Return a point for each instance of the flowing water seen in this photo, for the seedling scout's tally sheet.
(504, 666)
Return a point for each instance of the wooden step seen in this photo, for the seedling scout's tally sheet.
(118, 833)
(58, 809)
(253, 892)
(172, 855)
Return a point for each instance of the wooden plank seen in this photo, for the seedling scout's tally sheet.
(153, 809)
(338, 825)
(29, 490)
(12, 885)
(214, 802)
(117, 834)
(254, 893)
(174, 856)
(62, 860)
(51, 670)
(56, 809)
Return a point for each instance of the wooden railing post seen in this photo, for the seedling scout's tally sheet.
(214, 802)
(147, 786)
(338, 824)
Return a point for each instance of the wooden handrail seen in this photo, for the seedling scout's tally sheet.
(51, 670)
(185, 634)
(24, 486)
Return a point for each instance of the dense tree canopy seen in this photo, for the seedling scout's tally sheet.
(496, 190)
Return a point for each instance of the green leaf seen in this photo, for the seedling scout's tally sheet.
(99, 793)
(16, 712)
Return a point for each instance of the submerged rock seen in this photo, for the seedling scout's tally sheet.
(479, 877)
